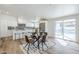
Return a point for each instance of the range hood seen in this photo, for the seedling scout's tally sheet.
(21, 26)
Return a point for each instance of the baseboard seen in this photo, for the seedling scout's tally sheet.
(50, 37)
(68, 40)
(6, 37)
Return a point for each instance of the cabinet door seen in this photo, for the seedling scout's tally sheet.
(3, 28)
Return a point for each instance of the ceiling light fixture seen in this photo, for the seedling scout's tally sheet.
(4, 12)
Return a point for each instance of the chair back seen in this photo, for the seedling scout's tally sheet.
(26, 39)
(43, 38)
(33, 36)
(45, 33)
(41, 33)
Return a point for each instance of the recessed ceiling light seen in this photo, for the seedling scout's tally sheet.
(0, 11)
(7, 12)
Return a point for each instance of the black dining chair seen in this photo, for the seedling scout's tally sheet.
(43, 40)
(34, 37)
(28, 42)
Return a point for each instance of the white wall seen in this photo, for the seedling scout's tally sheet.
(51, 28)
(77, 29)
(6, 21)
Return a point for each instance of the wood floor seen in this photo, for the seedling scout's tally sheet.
(9, 46)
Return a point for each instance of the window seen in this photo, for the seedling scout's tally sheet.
(66, 29)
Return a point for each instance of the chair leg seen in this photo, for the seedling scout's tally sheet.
(34, 42)
(45, 44)
(42, 46)
(38, 45)
(28, 48)
(26, 45)
(34, 45)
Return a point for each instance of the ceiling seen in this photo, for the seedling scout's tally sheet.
(33, 11)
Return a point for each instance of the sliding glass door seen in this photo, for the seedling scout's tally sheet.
(59, 29)
(66, 29)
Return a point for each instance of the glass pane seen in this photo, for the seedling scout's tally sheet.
(66, 29)
(59, 29)
(69, 29)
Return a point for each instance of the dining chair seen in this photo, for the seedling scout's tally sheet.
(43, 40)
(28, 42)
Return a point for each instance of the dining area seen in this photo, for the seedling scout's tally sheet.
(35, 41)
